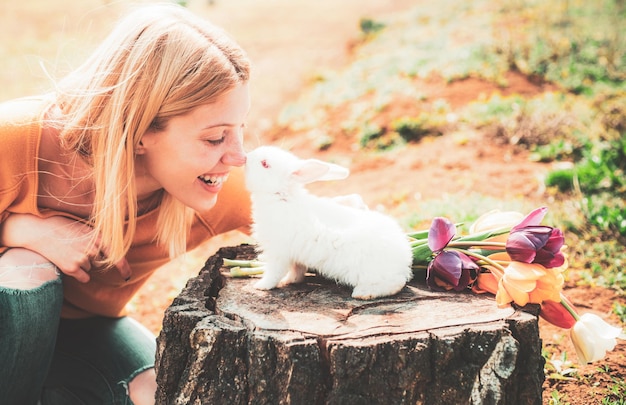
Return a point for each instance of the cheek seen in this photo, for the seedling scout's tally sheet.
(202, 161)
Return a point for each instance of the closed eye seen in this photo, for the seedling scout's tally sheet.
(216, 141)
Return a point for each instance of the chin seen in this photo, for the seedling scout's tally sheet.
(206, 205)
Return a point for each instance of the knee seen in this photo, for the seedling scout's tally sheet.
(142, 388)
(24, 269)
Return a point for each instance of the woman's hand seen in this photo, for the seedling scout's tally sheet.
(67, 243)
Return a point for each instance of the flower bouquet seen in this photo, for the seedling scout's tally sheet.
(519, 261)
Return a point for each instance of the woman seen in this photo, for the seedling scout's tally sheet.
(121, 169)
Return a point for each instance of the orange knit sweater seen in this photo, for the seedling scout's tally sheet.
(106, 293)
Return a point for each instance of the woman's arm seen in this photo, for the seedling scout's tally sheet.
(68, 244)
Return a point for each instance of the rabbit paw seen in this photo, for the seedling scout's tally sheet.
(295, 276)
(264, 284)
(371, 291)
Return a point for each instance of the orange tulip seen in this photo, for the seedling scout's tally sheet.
(525, 283)
(486, 282)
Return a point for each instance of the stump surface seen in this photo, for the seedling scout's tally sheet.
(225, 342)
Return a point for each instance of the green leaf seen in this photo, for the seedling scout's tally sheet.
(422, 254)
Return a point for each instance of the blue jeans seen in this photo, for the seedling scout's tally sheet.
(62, 361)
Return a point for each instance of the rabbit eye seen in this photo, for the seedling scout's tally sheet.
(265, 164)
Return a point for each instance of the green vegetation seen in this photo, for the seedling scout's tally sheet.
(577, 44)
(616, 393)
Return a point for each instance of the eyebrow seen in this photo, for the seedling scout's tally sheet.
(224, 124)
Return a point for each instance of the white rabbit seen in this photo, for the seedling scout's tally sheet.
(296, 230)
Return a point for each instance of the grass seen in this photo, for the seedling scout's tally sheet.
(615, 393)
(557, 399)
(578, 44)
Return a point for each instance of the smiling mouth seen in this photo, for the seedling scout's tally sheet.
(214, 180)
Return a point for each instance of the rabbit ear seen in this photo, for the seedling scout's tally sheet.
(311, 170)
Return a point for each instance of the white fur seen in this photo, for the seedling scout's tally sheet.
(296, 230)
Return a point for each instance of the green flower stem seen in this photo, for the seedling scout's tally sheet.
(459, 244)
(421, 242)
(569, 308)
(245, 271)
(501, 262)
(484, 235)
(480, 257)
(243, 263)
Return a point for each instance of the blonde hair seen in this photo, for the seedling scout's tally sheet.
(161, 61)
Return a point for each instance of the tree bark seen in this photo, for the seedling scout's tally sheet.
(224, 342)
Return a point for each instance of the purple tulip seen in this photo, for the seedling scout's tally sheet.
(534, 218)
(536, 244)
(440, 233)
(451, 270)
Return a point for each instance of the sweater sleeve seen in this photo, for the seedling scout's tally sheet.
(20, 129)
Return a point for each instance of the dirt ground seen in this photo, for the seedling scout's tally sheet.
(288, 42)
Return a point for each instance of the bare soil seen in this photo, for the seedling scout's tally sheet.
(288, 42)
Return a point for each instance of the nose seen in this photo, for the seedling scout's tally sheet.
(235, 155)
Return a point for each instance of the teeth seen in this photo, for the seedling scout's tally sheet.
(213, 180)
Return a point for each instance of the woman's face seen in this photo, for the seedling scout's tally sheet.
(192, 156)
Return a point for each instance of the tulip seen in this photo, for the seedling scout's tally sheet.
(525, 283)
(440, 233)
(534, 218)
(495, 220)
(592, 338)
(557, 313)
(451, 270)
(536, 244)
(548, 287)
(486, 282)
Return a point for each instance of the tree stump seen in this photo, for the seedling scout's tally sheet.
(224, 342)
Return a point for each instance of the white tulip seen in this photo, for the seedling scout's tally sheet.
(593, 337)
